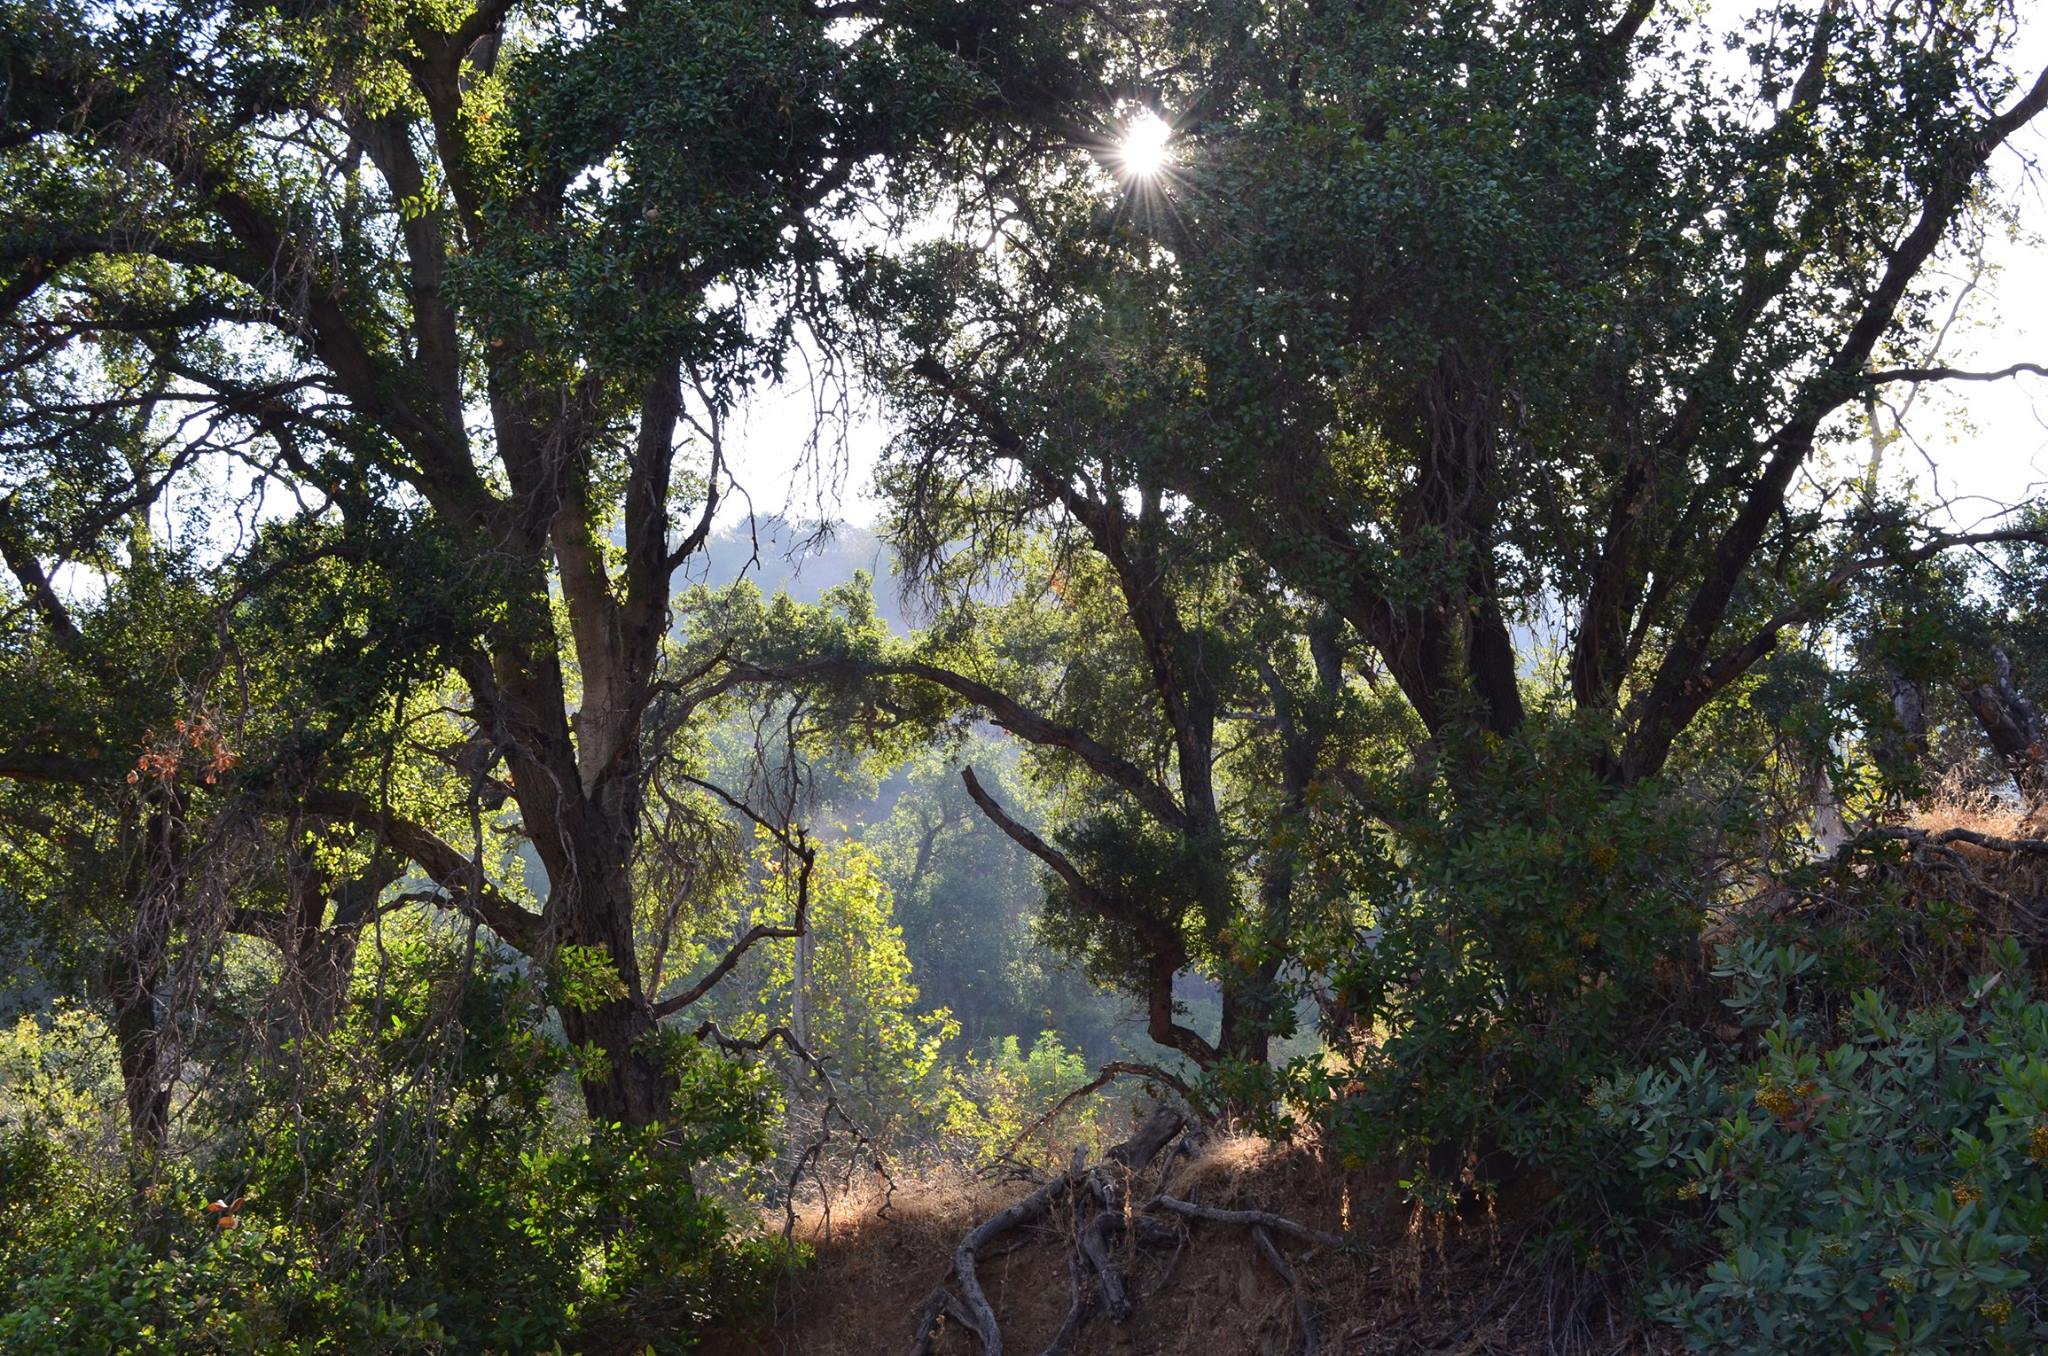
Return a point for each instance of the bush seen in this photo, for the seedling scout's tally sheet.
(81, 1278)
(1878, 1189)
(412, 1182)
(1529, 935)
(1005, 1089)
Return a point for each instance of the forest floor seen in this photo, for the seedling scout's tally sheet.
(1403, 1284)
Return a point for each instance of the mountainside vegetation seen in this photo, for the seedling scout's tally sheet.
(1407, 712)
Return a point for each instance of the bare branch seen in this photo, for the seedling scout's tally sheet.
(1920, 374)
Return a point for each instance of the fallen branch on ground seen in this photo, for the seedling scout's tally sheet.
(2037, 847)
(1102, 1213)
(1107, 1074)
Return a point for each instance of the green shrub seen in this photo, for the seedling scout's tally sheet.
(1523, 929)
(419, 1180)
(1876, 1188)
(76, 1275)
(1005, 1089)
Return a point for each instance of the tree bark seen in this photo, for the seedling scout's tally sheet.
(2013, 726)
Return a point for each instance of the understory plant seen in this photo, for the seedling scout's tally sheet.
(1873, 1182)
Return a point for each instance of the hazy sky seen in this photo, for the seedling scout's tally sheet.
(1987, 443)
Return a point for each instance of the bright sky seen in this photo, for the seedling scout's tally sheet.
(1981, 445)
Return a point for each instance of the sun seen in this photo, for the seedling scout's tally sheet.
(1143, 152)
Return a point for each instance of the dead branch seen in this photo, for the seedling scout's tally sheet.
(981, 1316)
(1279, 1224)
(2037, 847)
(1109, 1073)
(833, 1106)
(1092, 1242)
(1103, 1215)
(1304, 1315)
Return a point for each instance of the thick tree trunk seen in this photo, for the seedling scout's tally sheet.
(631, 1087)
(2014, 727)
(1249, 1000)
(318, 979)
(134, 982)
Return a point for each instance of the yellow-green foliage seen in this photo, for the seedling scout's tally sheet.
(860, 1003)
(1003, 1091)
(58, 1073)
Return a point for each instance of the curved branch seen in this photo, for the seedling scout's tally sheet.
(1109, 1073)
(1006, 711)
(469, 893)
(1169, 952)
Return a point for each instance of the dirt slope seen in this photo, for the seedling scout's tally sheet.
(1402, 1286)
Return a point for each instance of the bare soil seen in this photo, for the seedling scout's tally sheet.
(1405, 1282)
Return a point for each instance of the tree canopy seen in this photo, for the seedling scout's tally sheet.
(1393, 500)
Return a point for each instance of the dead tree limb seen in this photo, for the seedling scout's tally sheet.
(1304, 1316)
(2037, 847)
(1279, 1224)
(1103, 1184)
(1109, 1072)
(1093, 1244)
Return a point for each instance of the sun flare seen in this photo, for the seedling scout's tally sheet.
(1144, 150)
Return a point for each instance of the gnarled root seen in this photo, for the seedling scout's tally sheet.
(1105, 1217)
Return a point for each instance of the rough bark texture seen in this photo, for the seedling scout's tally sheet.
(2013, 726)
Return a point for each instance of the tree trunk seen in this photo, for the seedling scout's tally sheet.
(319, 953)
(1246, 1035)
(630, 1086)
(135, 981)
(2014, 727)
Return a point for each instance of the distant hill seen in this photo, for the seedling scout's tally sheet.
(802, 560)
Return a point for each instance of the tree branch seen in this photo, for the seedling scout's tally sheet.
(469, 892)
(1169, 951)
(1921, 374)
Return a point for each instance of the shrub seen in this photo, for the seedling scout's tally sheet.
(1005, 1089)
(413, 1182)
(1872, 1189)
(1529, 935)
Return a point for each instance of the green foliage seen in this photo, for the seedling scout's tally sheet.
(58, 1076)
(1521, 928)
(969, 903)
(441, 1088)
(82, 1283)
(1003, 1090)
(1878, 1187)
(583, 977)
(861, 1011)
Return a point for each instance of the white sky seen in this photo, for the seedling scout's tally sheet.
(1980, 445)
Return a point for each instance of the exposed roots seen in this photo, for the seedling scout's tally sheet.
(1109, 1227)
